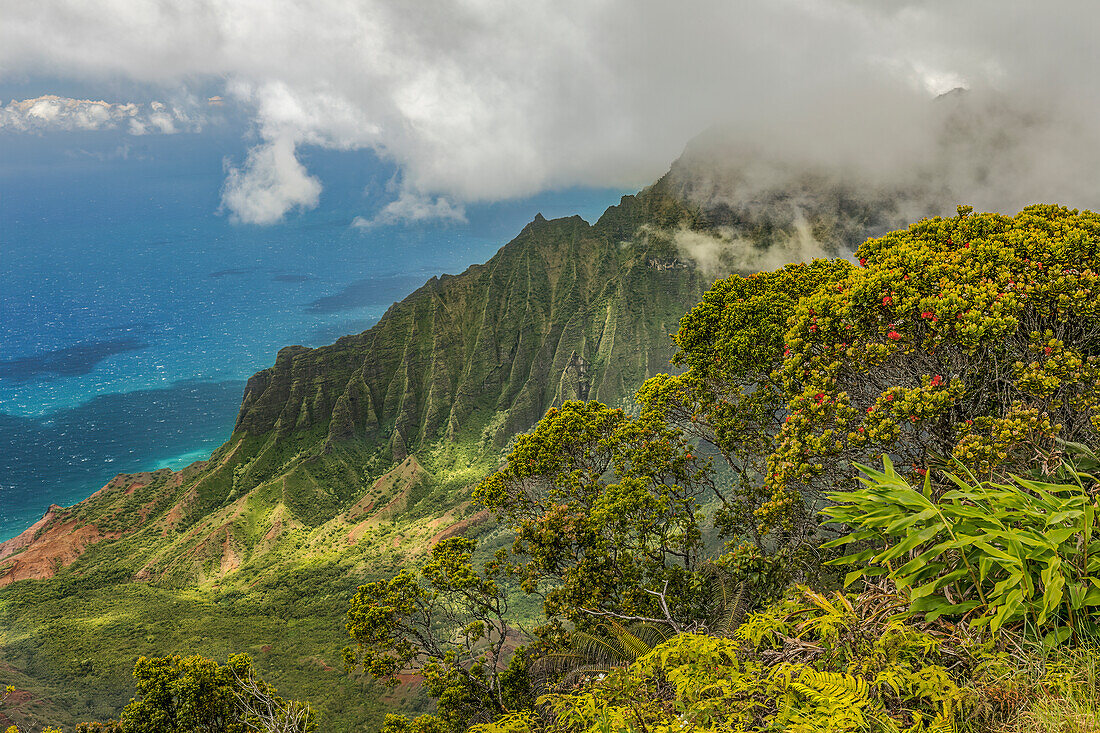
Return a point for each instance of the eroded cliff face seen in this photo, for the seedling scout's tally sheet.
(567, 310)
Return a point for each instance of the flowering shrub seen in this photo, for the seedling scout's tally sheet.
(976, 337)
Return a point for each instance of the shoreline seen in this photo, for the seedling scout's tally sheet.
(11, 528)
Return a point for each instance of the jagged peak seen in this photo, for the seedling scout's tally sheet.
(540, 222)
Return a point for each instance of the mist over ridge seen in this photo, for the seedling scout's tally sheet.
(816, 186)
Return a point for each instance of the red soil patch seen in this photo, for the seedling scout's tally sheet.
(127, 482)
(281, 521)
(13, 702)
(18, 698)
(405, 474)
(409, 680)
(26, 537)
(459, 527)
(172, 518)
(230, 559)
(59, 545)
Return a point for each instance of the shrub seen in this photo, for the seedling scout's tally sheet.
(812, 663)
(998, 553)
(973, 337)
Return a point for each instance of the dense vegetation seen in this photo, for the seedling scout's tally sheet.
(723, 553)
(963, 351)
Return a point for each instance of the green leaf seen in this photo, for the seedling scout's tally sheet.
(909, 543)
(1057, 636)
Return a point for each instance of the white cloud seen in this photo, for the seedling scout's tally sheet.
(725, 250)
(484, 99)
(50, 113)
(413, 207)
(271, 183)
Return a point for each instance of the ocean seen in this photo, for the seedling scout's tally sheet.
(132, 309)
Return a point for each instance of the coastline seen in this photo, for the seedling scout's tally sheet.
(64, 460)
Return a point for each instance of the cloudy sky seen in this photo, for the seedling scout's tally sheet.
(481, 100)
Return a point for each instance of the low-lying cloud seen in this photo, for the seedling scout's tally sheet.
(53, 113)
(413, 207)
(270, 183)
(724, 250)
(477, 100)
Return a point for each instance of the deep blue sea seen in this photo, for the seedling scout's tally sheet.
(132, 309)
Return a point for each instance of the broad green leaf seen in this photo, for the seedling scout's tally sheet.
(1056, 636)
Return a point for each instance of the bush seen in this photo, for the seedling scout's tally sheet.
(973, 337)
(1021, 552)
(811, 663)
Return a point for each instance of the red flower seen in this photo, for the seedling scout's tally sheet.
(927, 314)
(1047, 350)
(887, 300)
(813, 328)
(937, 380)
(820, 397)
(863, 262)
(889, 398)
(893, 335)
(869, 411)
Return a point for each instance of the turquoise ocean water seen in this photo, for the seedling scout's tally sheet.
(132, 309)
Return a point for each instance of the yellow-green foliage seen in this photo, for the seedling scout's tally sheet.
(191, 694)
(973, 337)
(813, 663)
(731, 395)
(603, 505)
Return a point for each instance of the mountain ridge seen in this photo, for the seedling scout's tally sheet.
(565, 310)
